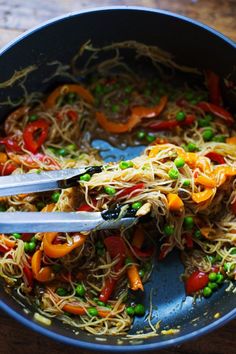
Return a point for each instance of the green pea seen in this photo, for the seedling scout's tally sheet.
(208, 117)
(2, 208)
(188, 222)
(62, 152)
(207, 292)
(16, 235)
(92, 311)
(100, 303)
(130, 311)
(95, 299)
(80, 290)
(40, 205)
(211, 259)
(207, 134)
(115, 108)
(100, 252)
(220, 278)
(180, 116)
(173, 174)
(128, 261)
(212, 276)
(219, 138)
(56, 268)
(141, 273)
(150, 138)
(32, 246)
(128, 89)
(33, 117)
(61, 291)
(141, 134)
(110, 190)
(99, 89)
(198, 234)
(71, 97)
(192, 147)
(125, 164)
(194, 101)
(137, 205)
(218, 258)
(126, 101)
(189, 95)
(186, 183)
(228, 267)
(71, 147)
(139, 310)
(213, 286)
(168, 230)
(55, 196)
(26, 246)
(179, 162)
(85, 178)
(202, 123)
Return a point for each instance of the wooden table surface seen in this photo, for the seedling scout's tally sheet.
(16, 16)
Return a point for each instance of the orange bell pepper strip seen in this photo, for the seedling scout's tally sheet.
(200, 197)
(135, 281)
(65, 89)
(175, 203)
(137, 113)
(76, 309)
(48, 208)
(231, 141)
(7, 242)
(221, 173)
(205, 181)
(3, 157)
(60, 250)
(138, 237)
(41, 274)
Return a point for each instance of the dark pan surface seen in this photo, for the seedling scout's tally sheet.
(192, 44)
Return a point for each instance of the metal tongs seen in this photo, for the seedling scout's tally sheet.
(11, 222)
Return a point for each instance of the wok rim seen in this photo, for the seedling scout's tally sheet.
(86, 344)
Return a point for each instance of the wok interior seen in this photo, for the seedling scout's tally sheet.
(191, 45)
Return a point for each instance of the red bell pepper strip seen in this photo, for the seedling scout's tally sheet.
(197, 281)
(131, 191)
(145, 253)
(4, 249)
(86, 207)
(188, 240)
(217, 111)
(73, 115)
(11, 144)
(116, 248)
(33, 142)
(170, 124)
(215, 157)
(213, 84)
(28, 276)
(6, 170)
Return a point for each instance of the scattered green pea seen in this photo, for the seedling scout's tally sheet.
(33, 117)
(110, 190)
(228, 267)
(55, 196)
(141, 134)
(188, 222)
(16, 235)
(141, 273)
(26, 246)
(202, 123)
(85, 178)
(173, 173)
(207, 292)
(40, 205)
(186, 183)
(212, 276)
(126, 101)
(207, 134)
(80, 290)
(62, 152)
(71, 147)
(92, 311)
(136, 205)
(99, 89)
(32, 246)
(189, 95)
(218, 258)
(130, 311)
(180, 116)
(213, 286)
(128, 89)
(219, 138)
(150, 138)
(128, 261)
(198, 234)
(115, 108)
(139, 310)
(126, 164)
(220, 278)
(168, 230)
(71, 97)
(191, 147)
(100, 303)
(61, 291)
(179, 162)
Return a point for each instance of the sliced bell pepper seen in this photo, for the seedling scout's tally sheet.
(221, 173)
(7, 169)
(77, 309)
(3, 157)
(11, 144)
(214, 156)
(35, 134)
(175, 203)
(137, 114)
(188, 240)
(131, 191)
(231, 140)
(13, 117)
(203, 196)
(217, 111)
(60, 250)
(205, 181)
(64, 90)
(4, 249)
(44, 274)
(143, 253)
(213, 85)
(170, 124)
(196, 281)
(34, 161)
(28, 276)
(7, 242)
